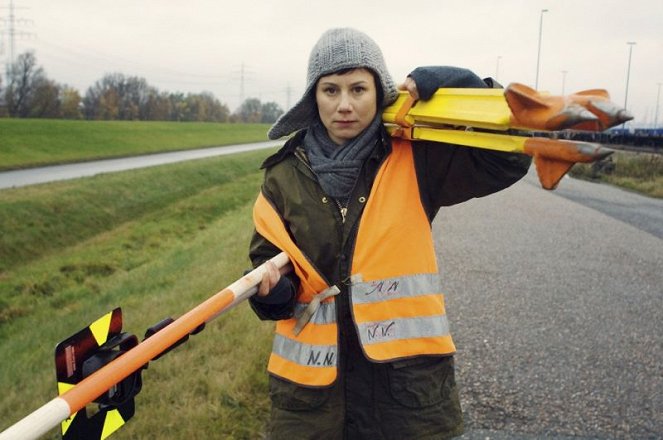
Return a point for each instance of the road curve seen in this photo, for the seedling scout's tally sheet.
(556, 310)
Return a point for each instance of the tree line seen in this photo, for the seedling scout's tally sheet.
(29, 93)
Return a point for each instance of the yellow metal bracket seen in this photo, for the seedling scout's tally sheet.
(480, 118)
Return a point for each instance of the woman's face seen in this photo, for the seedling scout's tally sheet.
(347, 103)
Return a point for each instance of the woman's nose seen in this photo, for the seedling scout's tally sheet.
(344, 104)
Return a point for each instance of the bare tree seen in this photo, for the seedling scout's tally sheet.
(116, 96)
(249, 110)
(156, 106)
(70, 103)
(204, 107)
(3, 106)
(45, 102)
(270, 112)
(23, 78)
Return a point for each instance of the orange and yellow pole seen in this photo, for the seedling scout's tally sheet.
(70, 402)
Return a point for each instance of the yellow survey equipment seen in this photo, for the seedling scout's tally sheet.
(506, 120)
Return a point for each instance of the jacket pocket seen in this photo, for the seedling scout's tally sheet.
(290, 396)
(421, 381)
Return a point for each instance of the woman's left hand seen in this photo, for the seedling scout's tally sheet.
(270, 279)
(410, 86)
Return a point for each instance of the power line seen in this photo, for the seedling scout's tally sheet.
(86, 57)
(244, 74)
(13, 33)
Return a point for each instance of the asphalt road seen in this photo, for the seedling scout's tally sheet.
(644, 213)
(18, 178)
(555, 302)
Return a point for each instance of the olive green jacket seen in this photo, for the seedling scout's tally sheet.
(325, 229)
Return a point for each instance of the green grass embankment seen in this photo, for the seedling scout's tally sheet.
(36, 142)
(156, 242)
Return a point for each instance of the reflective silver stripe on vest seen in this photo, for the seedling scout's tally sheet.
(393, 288)
(407, 328)
(305, 354)
(326, 313)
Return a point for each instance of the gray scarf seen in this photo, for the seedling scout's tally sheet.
(337, 166)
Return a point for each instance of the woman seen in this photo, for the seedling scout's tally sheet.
(362, 347)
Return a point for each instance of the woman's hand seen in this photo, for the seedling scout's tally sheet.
(410, 86)
(269, 279)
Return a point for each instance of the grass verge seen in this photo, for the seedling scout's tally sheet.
(36, 142)
(639, 172)
(166, 257)
(46, 218)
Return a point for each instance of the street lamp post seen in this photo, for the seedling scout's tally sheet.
(658, 96)
(628, 73)
(538, 55)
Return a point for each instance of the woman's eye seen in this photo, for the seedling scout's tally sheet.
(330, 90)
(359, 89)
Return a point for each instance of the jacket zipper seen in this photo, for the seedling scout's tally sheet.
(343, 211)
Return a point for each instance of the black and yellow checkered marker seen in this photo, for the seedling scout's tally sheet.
(81, 355)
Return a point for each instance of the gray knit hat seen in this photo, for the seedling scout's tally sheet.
(337, 49)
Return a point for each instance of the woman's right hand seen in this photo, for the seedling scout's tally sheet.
(269, 279)
(409, 86)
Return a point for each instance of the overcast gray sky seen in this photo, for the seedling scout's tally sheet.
(198, 45)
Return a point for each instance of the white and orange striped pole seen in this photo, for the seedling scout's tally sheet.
(69, 403)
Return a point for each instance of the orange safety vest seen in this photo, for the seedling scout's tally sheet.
(397, 305)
